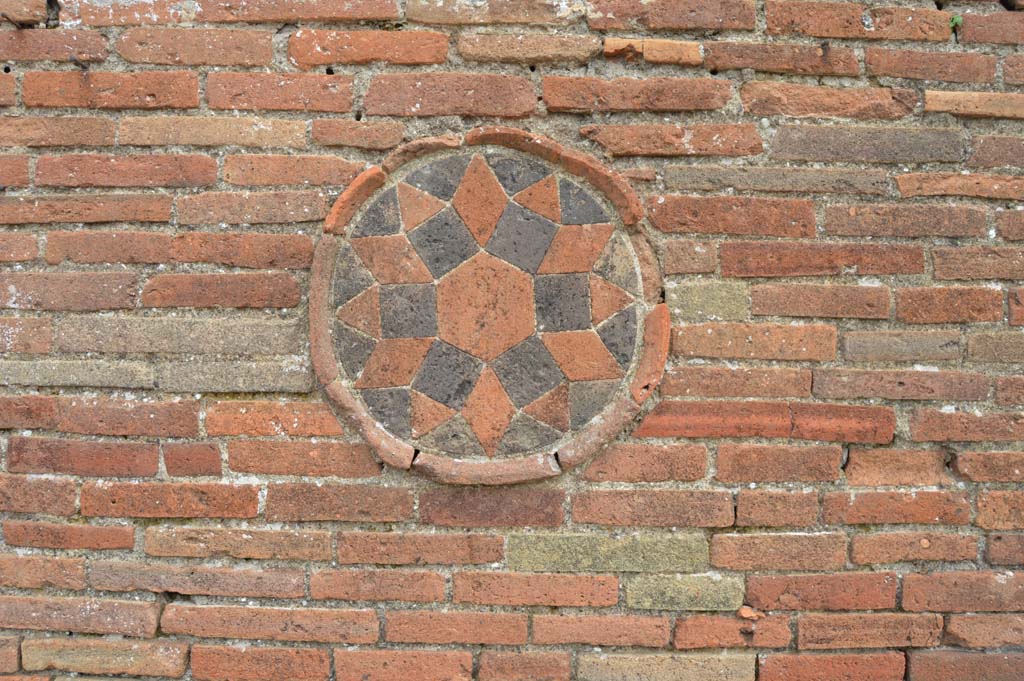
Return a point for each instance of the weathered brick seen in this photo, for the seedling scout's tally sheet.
(454, 12)
(676, 140)
(776, 179)
(936, 305)
(390, 548)
(585, 95)
(700, 300)
(985, 631)
(613, 630)
(487, 628)
(814, 300)
(14, 171)
(866, 144)
(998, 27)
(808, 259)
(963, 592)
(243, 417)
(713, 381)
(221, 290)
(723, 631)
(102, 416)
(852, 666)
(626, 462)
(766, 508)
(956, 184)
(16, 210)
(492, 507)
(846, 591)
(111, 90)
(528, 48)
(275, 624)
(149, 170)
(83, 615)
(377, 585)
(852, 20)
(78, 373)
(1005, 549)
(991, 466)
(901, 547)
(231, 663)
(1001, 510)
(684, 592)
(381, 665)
(251, 207)
(309, 48)
(50, 496)
(885, 467)
(25, 11)
(979, 262)
(755, 341)
(529, 666)
(168, 500)
(81, 458)
(301, 501)
(881, 630)
(495, 588)
(994, 151)
(662, 667)
(789, 59)
(897, 220)
(940, 665)
(201, 542)
(975, 104)
(901, 346)
(1010, 390)
(201, 375)
(18, 247)
(656, 508)
(597, 553)
(779, 551)
(878, 508)
(288, 11)
(808, 101)
(940, 66)
(266, 169)
(900, 385)
(91, 656)
(732, 215)
(361, 134)
(196, 46)
(198, 336)
(771, 463)
(43, 535)
(213, 581)
(40, 572)
(681, 256)
(449, 94)
(191, 459)
(933, 425)
(334, 459)
(25, 334)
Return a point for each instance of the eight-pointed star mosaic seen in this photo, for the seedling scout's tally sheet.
(486, 305)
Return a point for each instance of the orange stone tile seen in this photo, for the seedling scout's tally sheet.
(394, 362)
(606, 299)
(480, 200)
(581, 355)
(542, 198)
(363, 312)
(552, 408)
(488, 410)
(427, 414)
(575, 248)
(485, 306)
(416, 206)
(392, 259)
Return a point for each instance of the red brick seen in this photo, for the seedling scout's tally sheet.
(25, 334)
(279, 92)
(528, 48)
(42, 535)
(449, 94)
(234, 663)
(111, 90)
(25, 11)
(18, 247)
(732, 215)
(14, 171)
(939, 66)
(773, 259)
(376, 135)
(301, 501)
(808, 101)
(334, 459)
(255, 170)
(212, 581)
(992, 151)
(881, 630)
(898, 220)
(676, 140)
(985, 631)
(998, 27)
(878, 508)
(1001, 510)
(949, 305)
(40, 572)
(454, 12)
(265, 418)
(979, 262)
(9, 646)
(717, 419)
(149, 170)
(288, 11)
(531, 666)
(901, 346)
(1016, 300)
(765, 508)
(699, 381)
(158, 658)
(212, 131)
(185, 458)
(72, 291)
(586, 95)
(902, 547)
(487, 628)
(598, 630)
(50, 496)
(494, 588)
(377, 585)
(492, 507)
(846, 591)
(771, 463)
(196, 46)
(900, 385)
(957, 184)
(795, 59)
(52, 45)
(28, 411)
(385, 665)
(1013, 69)
(680, 256)
(168, 500)
(991, 466)
(8, 90)
(722, 631)
(629, 462)
(100, 416)
(654, 508)
(82, 457)
(1005, 549)
(890, 467)
(15, 210)
(82, 615)
(779, 551)
(207, 542)
(309, 48)
(1010, 389)
(249, 208)
(755, 341)
(277, 290)
(949, 665)
(853, 20)
(807, 300)
(391, 548)
(963, 592)
(888, 666)
(933, 425)
(275, 624)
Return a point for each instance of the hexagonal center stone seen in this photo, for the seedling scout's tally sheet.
(485, 306)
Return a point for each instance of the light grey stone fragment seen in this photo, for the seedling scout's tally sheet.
(286, 376)
(77, 373)
(178, 335)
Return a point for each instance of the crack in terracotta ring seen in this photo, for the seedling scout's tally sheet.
(487, 313)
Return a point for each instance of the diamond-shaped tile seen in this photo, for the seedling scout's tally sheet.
(619, 335)
(606, 299)
(516, 174)
(480, 200)
(542, 198)
(443, 242)
(552, 408)
(575, 248)
(447, 375)
(527, 371)
(363, 312)
(488, 411)
(390, 406)
(440, 178)
(616, 265)
(522, 237)
(381, 217)
(408, 311)
(582, 355)
(392, 259)
(578, 206)
(416, 206)
(394, 362)
(563, 302)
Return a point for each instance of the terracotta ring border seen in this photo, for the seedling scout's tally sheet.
(650, 366)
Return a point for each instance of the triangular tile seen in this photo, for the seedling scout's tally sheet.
(380, 218)
(392, 260)
(575, 248)
(453, 436)
(480, 200)
(542, 198)
(416, 206)
(489, 411)
(363, 312)
(552, 408)
(587, 399)
(582, 355)
(578, 206)
(427, 414)
(394, 362)
(605, 299)
(616, 264)
(526, 434)
(619, 335)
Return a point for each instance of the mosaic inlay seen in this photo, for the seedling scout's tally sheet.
(485, 305)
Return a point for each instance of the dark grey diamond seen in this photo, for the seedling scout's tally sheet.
(352, 349)
(443, 242)
(447, 375)
(563, 302)
(525, 434)
(454, 436)
(527, 371)
(516, 174)
(408, 311)
(616, 265)
(440, 178)
(390, 406)
(522, 237)
(587, 399)
(350, 276)
(619, 335)
(578, 206)
(382, 217)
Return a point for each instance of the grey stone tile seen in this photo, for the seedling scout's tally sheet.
(77, 373)
(619, 335)
(447, 375)
(443, 242)
(522, 237)
(616, 264)
(578, 206)
(350, 275)
(90, 333)
(234, 377)
(381, 217)
(563, 302)
(391, 407)
(587, 399)
(352, 349)
(526, 434)
(453, 436)
(408, 311)
(527, 371)
(440, 178)
(516, 174)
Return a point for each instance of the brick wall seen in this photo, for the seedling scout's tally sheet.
(826, 485)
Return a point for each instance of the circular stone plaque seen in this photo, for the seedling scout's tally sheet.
(480, 314)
